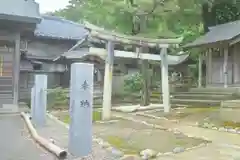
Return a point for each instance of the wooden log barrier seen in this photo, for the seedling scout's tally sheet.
(60, 153)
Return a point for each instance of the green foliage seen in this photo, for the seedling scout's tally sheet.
(162, 19)
(168, 18)
(225, 12)
(216, 12)
(57, 98)
(134, 83)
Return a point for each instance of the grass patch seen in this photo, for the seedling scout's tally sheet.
(132, 137)
(216, 122)
(231, 124)
(189, 115)
(200, 109)
(66, 119)
(191, 111)
(96, 116)
(219, 120)
(122, 145)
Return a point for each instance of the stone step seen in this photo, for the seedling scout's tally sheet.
(6, 81)
(6, 92)
(6, 78)
(215, 89)
(197, 97)
(231, 104)
(174, 101)
(230, 111)
(205, 93)
(202, 96)
(6, 100)
(6, 96)
(5, 87)
(196, 102)
(6, 105)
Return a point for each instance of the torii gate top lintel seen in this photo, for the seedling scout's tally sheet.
(102, 34)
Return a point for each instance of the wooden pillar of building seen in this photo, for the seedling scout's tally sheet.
(165, 80)
(235, 65)
(209, 66)
(107, 91)
(225, 67)
(206, 69)
(200, 59)
(16, 70)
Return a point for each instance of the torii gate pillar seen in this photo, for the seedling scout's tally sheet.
(107, 91)
(165, 81)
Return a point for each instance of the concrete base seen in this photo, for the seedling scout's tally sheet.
(230, 104)
(230, 114)
(211, 89)
(230, 110)
(9, 108)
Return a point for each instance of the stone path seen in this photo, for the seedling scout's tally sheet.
(59, 134)
(212, 152)
(224, 146)
(16, 142)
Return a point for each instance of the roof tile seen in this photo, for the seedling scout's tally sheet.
(59, 28)
(219, 33)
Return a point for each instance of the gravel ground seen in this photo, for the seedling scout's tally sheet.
(16, 142)
(59, 134)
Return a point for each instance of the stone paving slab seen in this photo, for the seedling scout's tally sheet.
(16, 142)
(213, 135)
(59, 134)
(211, 152)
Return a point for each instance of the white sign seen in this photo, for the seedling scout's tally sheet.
(81, 101)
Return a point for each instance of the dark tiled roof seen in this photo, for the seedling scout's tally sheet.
(59, 28)
(20, 11)
(219, 33)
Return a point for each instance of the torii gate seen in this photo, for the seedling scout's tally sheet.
(113, 38)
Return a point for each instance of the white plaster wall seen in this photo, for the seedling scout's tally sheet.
(132, 71)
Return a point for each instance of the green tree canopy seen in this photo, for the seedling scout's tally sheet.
(168, 18)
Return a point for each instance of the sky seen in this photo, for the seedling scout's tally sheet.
(51, 5)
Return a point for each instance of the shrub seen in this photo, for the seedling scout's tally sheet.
(133, 83)
(57, 98)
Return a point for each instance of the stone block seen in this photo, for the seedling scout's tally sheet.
(9, 108)
(230, 114)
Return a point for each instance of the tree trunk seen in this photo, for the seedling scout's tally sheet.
(144, 67)
(145, 97)
(139, 27)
